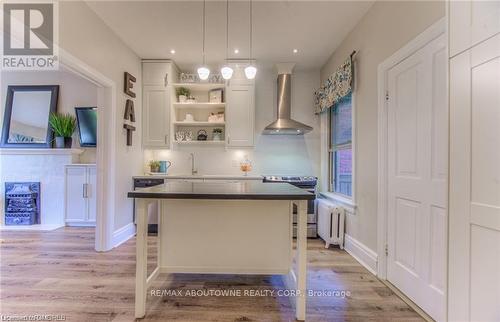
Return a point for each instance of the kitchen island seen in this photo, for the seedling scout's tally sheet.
(242, 227)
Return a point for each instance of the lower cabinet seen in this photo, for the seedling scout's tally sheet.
(80, 195)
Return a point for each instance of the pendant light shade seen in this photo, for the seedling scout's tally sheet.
(226, 71)
(203, 71)
(250, 71)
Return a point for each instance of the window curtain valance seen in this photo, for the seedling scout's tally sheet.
(337, 86)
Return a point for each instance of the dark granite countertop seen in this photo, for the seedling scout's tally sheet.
(247, 190)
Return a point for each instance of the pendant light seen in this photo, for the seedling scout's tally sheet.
(251, 70)
(226, 71)
(203, 71)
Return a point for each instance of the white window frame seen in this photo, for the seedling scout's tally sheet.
(349, 202)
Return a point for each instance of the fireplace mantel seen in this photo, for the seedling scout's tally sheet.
(22, 151)
(38, 165)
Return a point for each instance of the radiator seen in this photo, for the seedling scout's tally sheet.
(331, 223)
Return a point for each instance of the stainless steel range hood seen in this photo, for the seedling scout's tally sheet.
(284, 125)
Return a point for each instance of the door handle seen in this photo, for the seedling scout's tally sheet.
(84, 192)
(165, 80)
(228, 139)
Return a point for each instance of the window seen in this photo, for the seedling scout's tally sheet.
(340, 147)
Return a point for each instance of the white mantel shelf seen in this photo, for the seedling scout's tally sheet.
(22, 151)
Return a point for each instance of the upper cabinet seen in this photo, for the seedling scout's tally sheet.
(472, 22)
(157, 77)
(220, 114)
(240, 114)
(157, 73)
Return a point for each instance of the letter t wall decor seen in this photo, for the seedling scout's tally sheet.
(129, 116)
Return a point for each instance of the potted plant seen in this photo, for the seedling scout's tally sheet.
(217, 134)
(154, 166)
(182, 94)
(63, 126)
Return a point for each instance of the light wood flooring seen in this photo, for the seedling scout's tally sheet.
(59, 272)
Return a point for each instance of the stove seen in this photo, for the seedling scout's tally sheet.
(307, 183)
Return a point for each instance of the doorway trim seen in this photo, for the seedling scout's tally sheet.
(105, 154)
(428, 35)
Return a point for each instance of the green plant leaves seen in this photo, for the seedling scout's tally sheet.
(62, 124)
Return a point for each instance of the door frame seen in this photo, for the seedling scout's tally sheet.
(105, 154)
(431, 33)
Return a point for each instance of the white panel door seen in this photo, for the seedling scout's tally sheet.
(474, 243)
(240, 115)
(417, 177)
(472, 21)
(91, 193)
(76, 203)
(156, 116)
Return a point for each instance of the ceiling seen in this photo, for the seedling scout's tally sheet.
(153, 28)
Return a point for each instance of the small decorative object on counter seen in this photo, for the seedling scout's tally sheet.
(215, 95)
(202, 135)
(154, 166)
(188, 136)
(63, 126)
(189, 118)
(182, 94)
(246, 165)
(164, 165)
(217, 134)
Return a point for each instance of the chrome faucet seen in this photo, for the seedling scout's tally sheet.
(193, 170)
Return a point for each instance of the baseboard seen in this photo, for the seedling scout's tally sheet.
(364, 255)
(123, 234)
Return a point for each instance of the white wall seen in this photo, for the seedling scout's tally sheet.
(85, 36)
(282, 154)
(73, 91)
(387, 26)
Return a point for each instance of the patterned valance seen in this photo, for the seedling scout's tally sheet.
(338, 85)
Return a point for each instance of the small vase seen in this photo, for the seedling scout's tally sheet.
(63, 143)
(182, 98)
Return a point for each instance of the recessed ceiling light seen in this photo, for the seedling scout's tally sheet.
(172, 51)
(295, 51)
(236, 51)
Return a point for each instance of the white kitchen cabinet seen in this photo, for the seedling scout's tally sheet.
(80, 195)
(155, 116)
(157, 77)
(240, 114)
(472, 22)
(157, 73)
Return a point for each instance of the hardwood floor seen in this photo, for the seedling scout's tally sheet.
(59, 272)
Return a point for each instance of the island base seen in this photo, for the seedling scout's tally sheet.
(224, 237)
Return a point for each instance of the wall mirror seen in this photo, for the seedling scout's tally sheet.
(26, 117)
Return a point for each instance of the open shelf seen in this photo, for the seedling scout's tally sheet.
(199, 105)
(200, 123)
(199, 86)
(208, 142)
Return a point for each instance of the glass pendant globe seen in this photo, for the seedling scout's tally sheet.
(227, 72)
(250, 72)
(203, 72)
